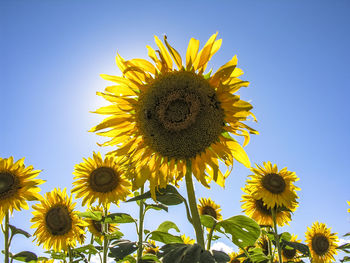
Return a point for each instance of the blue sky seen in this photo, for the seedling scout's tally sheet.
(295, 55)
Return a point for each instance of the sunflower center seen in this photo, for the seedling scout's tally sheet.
(103, 179)
(262, 207)
(274, 183)
(179, 115)
(320, 244)
(289, 253)
(97, 225)
(9, 184)
(58, 220)
(208, 210)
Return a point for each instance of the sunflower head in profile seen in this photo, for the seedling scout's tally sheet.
(100, 179)
(57, 224)
(187, 240)
(322, 243)
(208, 207)
(161, 117)
(17, 185)
(151, 248)
(95, 227)
(258, 210)
(234, 258)
(275, 188)
(290, 254)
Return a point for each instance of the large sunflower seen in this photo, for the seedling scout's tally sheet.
(100, 179)
(274, 187)
(208, 207)
(258, 210)
(57, 224)
(322, 243)
(95, 227)
(290, 254)
(17, 185)
(161, 116)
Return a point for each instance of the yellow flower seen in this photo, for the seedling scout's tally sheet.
(258, 210)
(57, 224)
(151, 248)
(95, 227)
(187, 240)
(291, 255)
(349, 205)
(100, 179)
(208, 207)
(233, 258)
(17, 185)
(274, 187)
(322, 243)
(162, 116)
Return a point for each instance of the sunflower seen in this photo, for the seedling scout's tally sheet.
(57, 224)
(100, 179)
(322, 243)
(17, 185)
(258, 210)
(291, 254)
(233, 258)
(161, 116)
(208, 207)
(151, 248)
(95, 227)
(187, 240)
(349, 205)
(274, 187)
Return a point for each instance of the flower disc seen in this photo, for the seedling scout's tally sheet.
(207, 207)
(17, 185)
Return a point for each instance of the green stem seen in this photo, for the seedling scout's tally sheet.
(6, 233)
(70, 254)
(140, 231)
(91, 243)
(193, 204)
(211, 235)
(277, 240)
(105, 238)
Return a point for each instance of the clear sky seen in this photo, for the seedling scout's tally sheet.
(295, 54)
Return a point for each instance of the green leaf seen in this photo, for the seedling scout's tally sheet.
(207, 221)
(149, 258)
(94, 215)
(88, 249)
(25, 256)
(129, 258)
(257, 255)
(121, 249)
(115, 235)
(347, 234)
(119, 218)
(165, 237)
(244, 231)
(285, 236)
(56, 255)
(345, 259)
(156, 207)
(298, 246)
(220, 256)
(166, 226)
(180, 253)
(15, 231)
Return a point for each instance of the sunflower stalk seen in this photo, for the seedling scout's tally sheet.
(211, 235)
(193, 205)
(91, 243)
(277, 240)
(105, 238)
(6, 234)
(140, 230)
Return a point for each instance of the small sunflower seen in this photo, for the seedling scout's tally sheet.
(17, 185)
(95, 227)
(233, 258)
(291, 254)
(349, 205)
(151, 248)
(258, 210)
(57, 224)
(161, 116)
(208, 207)
(274, 187)
(187, 240)
(322, 243)
(100, 179)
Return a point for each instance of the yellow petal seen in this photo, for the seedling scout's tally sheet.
(191, 53)
(164, 52)
(238, 153)
(176, 56)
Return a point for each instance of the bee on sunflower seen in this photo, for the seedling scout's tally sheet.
(101, 180)
(58, 226)
(17, 185)
(161, 117)
(322, 243)
(208, 207)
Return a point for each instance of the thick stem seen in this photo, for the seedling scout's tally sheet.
(211, 235)
(70, 254)
(193, 205)
(277, 240)
(105, 238)
(6, 233)
(140, 231)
